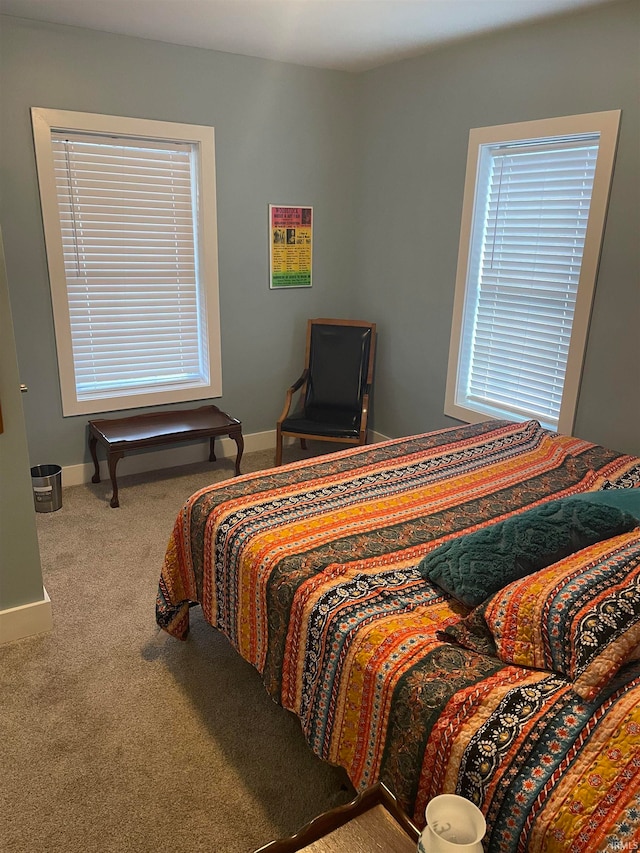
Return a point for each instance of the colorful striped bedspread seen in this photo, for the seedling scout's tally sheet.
(310, 571)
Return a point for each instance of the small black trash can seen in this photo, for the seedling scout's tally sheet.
(47, 487)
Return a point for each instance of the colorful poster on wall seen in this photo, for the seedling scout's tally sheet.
(290, 245)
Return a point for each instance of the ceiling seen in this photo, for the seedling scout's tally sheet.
(347, 35)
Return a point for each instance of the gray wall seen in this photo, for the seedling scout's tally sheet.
(415, 120)
(284, 135)
(380, 155)
(20, 571)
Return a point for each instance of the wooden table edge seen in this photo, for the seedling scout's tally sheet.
(320, 826)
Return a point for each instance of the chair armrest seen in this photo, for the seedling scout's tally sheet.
(291, 391)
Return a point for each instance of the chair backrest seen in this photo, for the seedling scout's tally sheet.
(340, 363)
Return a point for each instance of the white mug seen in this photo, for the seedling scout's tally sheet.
(454, 825)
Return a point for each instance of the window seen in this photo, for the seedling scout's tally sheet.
(533, 218)
(125, 205)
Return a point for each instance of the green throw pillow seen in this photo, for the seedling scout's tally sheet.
(471, 568)
(625, 499)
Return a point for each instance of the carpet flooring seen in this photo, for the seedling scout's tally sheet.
(115, 736)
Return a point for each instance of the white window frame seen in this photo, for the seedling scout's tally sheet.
(604, 123)
(202, 137)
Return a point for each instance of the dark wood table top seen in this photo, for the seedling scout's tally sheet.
(156, 425)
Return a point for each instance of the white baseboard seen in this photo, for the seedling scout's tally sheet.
(377, 437)
(173, 457)
(19, 622)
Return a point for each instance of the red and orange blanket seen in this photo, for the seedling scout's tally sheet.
(312, 572)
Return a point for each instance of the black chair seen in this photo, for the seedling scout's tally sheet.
(334, 386)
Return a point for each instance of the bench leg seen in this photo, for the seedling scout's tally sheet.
(239, 440)
(114, 458)
(93, 441)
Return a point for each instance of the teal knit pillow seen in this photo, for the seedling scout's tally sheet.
(626, 499)
(471, 568)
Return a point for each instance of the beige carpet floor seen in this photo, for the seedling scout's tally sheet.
(115, 736)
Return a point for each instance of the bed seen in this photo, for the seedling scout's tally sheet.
(521, 693)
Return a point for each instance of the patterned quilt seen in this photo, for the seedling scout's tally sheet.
(310, 571)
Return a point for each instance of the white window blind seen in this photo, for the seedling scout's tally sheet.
(532, 216)
(128, 216)
(130, 226)
(532, 226)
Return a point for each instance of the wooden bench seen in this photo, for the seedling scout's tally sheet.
(121, 435)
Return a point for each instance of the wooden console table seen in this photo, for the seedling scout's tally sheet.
(121, 435)
(372, 822)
